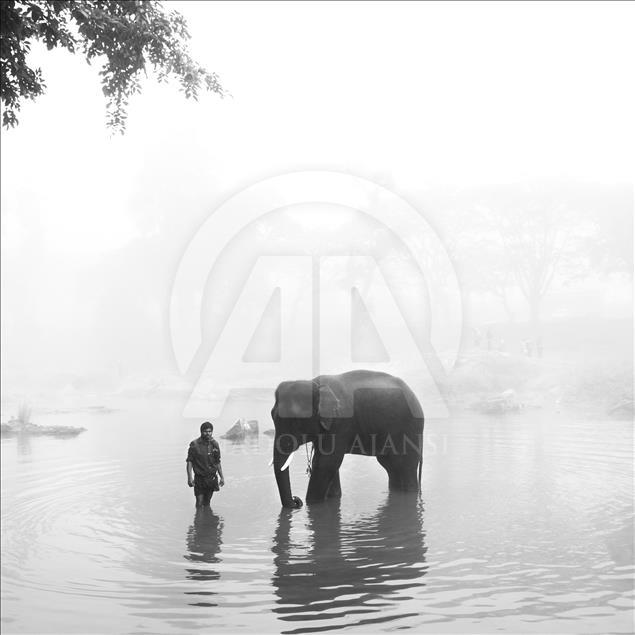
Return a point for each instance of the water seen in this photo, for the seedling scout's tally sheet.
(525, 525)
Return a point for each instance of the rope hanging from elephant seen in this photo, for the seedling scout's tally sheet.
(309, 458)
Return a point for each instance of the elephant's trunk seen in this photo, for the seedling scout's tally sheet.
(282, 478)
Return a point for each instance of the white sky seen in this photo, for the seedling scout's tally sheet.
(410, 94)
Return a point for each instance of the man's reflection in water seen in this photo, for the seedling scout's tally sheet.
(346, 568)
(23, 442)
(204, 540)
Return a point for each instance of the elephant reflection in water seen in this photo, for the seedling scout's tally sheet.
(359, 568)
(204, 540)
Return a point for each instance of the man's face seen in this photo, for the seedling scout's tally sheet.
(206, 434)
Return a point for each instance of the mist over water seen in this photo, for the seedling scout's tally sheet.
(451, 187)
(525, 523)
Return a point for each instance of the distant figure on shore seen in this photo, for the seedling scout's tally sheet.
(477, 337)
(203, 466)
(539, 349)
(527, 347)
(488, 336)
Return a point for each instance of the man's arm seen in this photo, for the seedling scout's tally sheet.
(190, 476)
(219, 467)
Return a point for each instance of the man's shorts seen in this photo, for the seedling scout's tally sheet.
(205, 484)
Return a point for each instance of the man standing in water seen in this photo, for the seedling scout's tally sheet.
(203, 459)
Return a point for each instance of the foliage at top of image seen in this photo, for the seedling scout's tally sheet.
(129, 36)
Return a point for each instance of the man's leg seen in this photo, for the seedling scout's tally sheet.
(199, 492)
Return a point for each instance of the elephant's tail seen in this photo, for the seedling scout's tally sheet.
(420, 460)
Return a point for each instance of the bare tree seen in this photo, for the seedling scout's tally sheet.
(539, 235)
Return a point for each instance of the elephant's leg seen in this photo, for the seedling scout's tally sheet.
(408, 478)
(402, 471)
(391, 465)
(409, 474)
(334, 490)
(324, 468)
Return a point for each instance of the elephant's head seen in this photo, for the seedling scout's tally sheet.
(296, 422)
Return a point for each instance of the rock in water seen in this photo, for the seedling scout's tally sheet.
(622, 410)
(15, 427)
(500, 404)
(241, 429)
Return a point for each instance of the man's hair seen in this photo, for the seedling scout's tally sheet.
(206, 425)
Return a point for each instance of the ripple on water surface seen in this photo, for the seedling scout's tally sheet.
(524, 527)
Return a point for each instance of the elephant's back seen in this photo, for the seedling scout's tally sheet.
(369, 391)
(387, 409)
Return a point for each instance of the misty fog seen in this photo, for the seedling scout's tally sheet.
(94, 228)
(439, 191)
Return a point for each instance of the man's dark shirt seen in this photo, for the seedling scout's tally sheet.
(204, 456)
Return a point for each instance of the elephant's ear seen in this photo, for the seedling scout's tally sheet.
(328, 407)
(329, 404)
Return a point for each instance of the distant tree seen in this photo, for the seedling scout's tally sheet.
(474, 245)
(541, 234)
(486, 267)
(127, 37)
(511, 240)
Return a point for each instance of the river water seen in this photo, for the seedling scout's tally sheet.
(525, 524)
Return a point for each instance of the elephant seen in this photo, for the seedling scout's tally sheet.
(357, 412)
